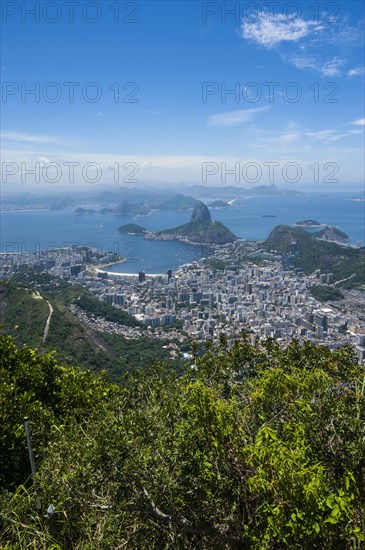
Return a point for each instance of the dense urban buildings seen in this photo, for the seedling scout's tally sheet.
(240, 288)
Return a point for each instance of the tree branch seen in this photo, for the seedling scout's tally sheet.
(188, 528)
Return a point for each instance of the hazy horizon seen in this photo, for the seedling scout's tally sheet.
(163, 187)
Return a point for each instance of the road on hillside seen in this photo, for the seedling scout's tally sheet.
(46, 328)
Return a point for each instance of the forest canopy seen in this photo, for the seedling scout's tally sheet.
(252, 446)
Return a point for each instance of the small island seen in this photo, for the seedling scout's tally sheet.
(132, 229)
(218, 204)
(124, 208)
(88, 211)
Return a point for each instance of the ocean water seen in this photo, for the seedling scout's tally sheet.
(26, 231)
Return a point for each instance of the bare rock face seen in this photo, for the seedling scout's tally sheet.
(201, 213)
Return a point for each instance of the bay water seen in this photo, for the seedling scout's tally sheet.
(40, 230)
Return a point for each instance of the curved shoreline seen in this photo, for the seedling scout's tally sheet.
(119, 274)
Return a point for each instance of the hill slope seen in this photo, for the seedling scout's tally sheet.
(314, 253)
(255, 447)
(201, 229)
(178, 202)
(74, 340)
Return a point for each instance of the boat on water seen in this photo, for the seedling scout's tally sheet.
(269, 215)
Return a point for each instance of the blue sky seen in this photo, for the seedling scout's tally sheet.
(178, 58)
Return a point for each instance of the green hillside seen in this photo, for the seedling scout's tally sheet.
(326, 293)
(333, 234)
(314, 254)
(64, 293)
(205, 232)
(255, 447)
(23, 312)
(25, 317)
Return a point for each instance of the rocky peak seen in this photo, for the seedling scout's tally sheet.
(201, 213)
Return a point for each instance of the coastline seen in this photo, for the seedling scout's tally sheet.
(26, 210)
(103, 268)
(118, 274)
(311, 226)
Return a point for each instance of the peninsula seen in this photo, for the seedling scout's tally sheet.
(200, 230)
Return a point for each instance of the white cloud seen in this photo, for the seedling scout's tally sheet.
(44, 160)
(298, 141)
(359, 122)
(269, 31)
(28, 138)
(100, 114)
(320, 134)
(329, 68)
(234, 118)
(325, 136)
(301, 62)
(319, 47)
(332, 68)
(356, 71)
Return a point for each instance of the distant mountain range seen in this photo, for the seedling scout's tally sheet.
(137, 202)
(238, 192)
(157, 197)
(124, 208)
(172, 199)
(178, 202)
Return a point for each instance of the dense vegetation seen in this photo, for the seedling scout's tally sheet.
(201, 229)
(24, 311)
(204, 232)
(333, 234)
(215, 264)
(132, 228)
(251, 447)
(25, 305)
(93, 306)
(326, 293)
(329, 257)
